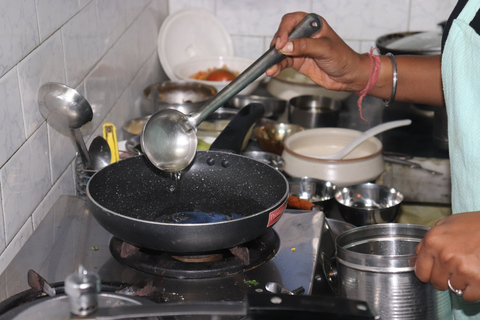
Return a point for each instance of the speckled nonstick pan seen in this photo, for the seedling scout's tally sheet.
(132, 199)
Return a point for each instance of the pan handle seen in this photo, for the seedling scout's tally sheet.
(233, 136)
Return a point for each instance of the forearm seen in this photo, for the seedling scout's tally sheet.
(331, 63)
(419, 80)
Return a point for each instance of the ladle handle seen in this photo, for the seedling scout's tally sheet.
(308, 26)
(81, 148)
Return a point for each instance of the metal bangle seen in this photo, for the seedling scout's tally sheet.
(395, 79)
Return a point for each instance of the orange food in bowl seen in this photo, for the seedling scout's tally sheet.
(220, 75)
(215, 74)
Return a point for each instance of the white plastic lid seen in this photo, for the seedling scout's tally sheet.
(191, 33)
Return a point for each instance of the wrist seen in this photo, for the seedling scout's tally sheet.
(374, 72)
(359, 77)
(384, 86)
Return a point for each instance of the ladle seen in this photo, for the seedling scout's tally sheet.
(277, 288)
(66, 108)
(100, 153)
(361, 138)
(169, 138)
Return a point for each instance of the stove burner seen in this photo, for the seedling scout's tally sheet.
(166, 264)
(198, 258)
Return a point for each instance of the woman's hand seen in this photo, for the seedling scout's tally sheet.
(325, 57)
(330, 62)
(451, 250)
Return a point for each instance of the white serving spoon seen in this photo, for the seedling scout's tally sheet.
(361, 138)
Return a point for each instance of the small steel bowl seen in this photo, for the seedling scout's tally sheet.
(274, 107)
(134, 127)
(216, 122)
(134, 146)
(184, 96)
(269, 158)
(319, 192)
(270, 137)
(368, 203)
(314, 111)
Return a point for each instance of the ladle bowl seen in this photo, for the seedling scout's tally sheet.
(65, 108)
(169, 125)
(100, 153)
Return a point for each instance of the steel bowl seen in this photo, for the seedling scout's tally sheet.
(271, 137)
(216, 122)
(134, 127)
(314, 111)
(269, 158)
(290, 83)
(368, 203)
(274, 107)
(133, 145)
(184, 96)
(319, 192)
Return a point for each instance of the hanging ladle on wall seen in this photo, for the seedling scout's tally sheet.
(65, 108)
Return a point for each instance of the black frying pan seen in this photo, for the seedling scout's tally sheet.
(134, 201)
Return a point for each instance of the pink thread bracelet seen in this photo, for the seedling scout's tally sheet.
(375, 65)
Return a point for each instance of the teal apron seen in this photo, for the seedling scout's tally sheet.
(461, 82)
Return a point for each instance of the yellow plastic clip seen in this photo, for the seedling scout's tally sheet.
(110, 134)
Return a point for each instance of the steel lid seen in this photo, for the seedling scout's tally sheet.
(418, 43)
(387, 247)
(58, 307)
(191, 33)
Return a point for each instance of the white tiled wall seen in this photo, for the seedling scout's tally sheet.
(359, 22)
(104, 48)
(107, 50)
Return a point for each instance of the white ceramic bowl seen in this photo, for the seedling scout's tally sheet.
(363, 164)
(185, 70)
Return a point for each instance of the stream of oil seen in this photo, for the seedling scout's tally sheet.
(175, 177)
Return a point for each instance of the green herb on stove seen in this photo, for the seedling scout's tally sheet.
(251, 282)
(94, 248)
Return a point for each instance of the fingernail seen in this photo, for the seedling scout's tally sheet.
(272, 69)
(276, 42)
(288, 48)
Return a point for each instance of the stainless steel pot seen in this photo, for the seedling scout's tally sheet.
(416, 42)
(183, 96)
(376, 264)
(314, 111)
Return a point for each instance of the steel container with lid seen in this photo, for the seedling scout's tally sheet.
(376, 263)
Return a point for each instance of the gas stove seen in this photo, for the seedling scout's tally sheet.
(69, 237)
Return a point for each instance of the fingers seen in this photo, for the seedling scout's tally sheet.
(306, 47)
(274, 70)
(439, 276)
(288, 23)
(469, 293)
(424, 264)
(449, 259)
(457, 286)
